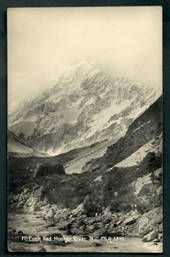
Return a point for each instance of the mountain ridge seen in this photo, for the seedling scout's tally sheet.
(83, 107)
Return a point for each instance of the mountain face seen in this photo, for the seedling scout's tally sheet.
(85, 106)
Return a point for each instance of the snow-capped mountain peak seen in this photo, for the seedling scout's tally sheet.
(83, 107)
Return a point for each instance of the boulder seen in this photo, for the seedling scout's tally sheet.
(103, 232)
(91, 228)
(150, 236)
(157, 173)
(96, 244)
(160, 237)
(98, 233)
(131, 220)
(160, 228)
(149, 221)
(63, 225)
(78, 211)
(77, 230)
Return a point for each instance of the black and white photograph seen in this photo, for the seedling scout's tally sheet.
(84, 155)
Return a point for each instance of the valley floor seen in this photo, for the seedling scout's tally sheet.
(33, 224)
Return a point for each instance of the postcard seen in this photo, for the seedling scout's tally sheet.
(85, 129)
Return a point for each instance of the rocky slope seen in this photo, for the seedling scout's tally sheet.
(85, 106)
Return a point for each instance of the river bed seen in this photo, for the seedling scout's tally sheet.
(34, 224)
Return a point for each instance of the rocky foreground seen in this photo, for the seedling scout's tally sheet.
(66, 230)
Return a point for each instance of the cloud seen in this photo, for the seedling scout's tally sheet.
(123, 41)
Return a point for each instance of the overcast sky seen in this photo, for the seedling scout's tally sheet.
(123, 41)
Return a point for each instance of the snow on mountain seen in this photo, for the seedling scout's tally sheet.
(83, 107)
